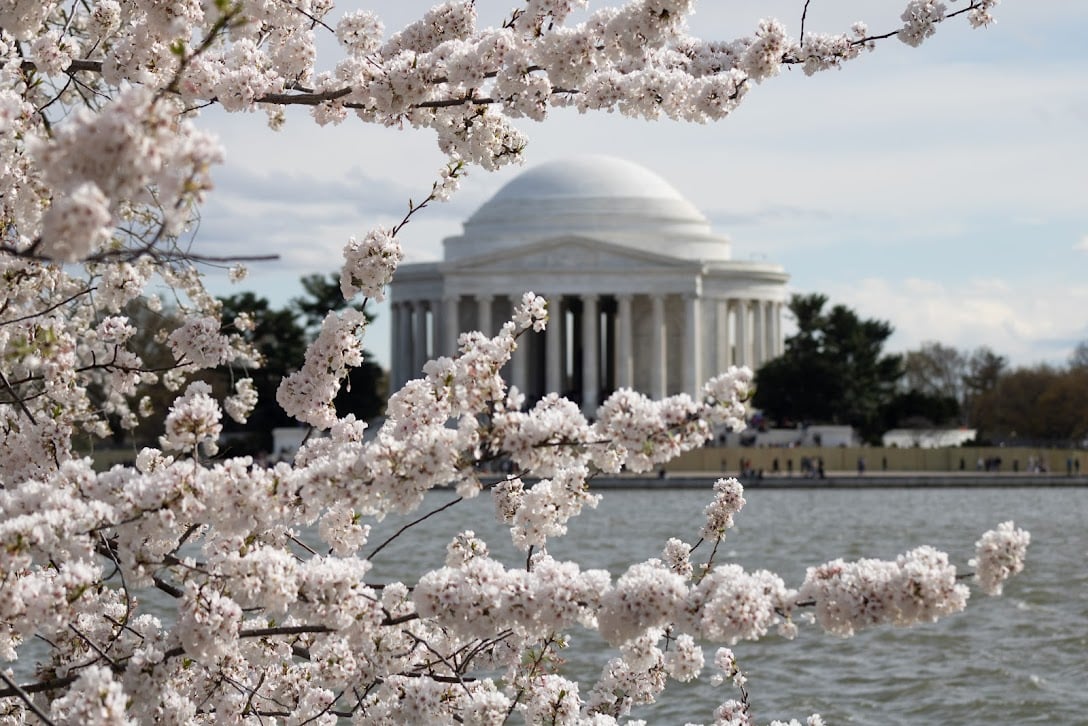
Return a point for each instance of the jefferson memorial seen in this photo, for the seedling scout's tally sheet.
(641, 293)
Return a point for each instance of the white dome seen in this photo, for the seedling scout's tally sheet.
(587, 177)
(597, 197)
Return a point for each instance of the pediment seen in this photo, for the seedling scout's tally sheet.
(568, 254)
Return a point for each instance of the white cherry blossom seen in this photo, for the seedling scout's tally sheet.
(192, 587)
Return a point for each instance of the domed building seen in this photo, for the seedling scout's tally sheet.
(641, 293)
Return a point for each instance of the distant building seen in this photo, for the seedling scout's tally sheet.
(641, 293)
(928, 438)
(827, 435)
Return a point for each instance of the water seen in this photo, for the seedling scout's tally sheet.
(1018, 659)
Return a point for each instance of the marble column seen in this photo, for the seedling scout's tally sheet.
(759, 335)
(419, 341)
(396, 365)
(693, 353)
(483, 314)
(451, 324)
(722, 358)
(625, 364)
(553, 345)
(779, 343)
(769, 331)
(742, 356)
(591, 341)
(434, 332)
(405, 344)
(519, 363)
(658, 353)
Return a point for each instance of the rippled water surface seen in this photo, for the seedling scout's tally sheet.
(1019, 659)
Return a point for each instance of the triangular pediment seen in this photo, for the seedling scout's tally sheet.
(569, 254)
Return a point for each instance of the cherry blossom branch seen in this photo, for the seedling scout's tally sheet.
(51, 308)
(132, 254)
(535, 664)
(17, 399)
(441, 659)
(868, 39)
(284, 630)
(23, 692)
(95, 647)
(307, 97)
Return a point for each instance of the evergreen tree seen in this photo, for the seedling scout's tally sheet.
(833, 369)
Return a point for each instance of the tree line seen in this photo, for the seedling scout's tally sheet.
(835, 370)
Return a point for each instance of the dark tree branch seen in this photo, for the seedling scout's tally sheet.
(39, 687)
(23, 693)
(804, 15)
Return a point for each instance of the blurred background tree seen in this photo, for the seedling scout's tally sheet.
(278, 337)
(280, 342)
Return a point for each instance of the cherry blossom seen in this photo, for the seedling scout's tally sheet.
(999, 554)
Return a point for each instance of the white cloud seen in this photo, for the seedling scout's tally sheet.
(1082, 244)
(1028, 321)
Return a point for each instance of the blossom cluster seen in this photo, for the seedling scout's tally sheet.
(101, 164)
(482, 597)
(919, 586)
(728, 500)
(369, 265)
(194, 420)
(999, 554)
(308, 393)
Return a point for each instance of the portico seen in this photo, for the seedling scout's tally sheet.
(640, 293)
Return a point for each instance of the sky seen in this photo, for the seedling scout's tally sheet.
(943, 188)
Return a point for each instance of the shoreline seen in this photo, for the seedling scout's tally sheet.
(849, 480)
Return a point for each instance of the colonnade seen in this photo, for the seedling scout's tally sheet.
(656, 343)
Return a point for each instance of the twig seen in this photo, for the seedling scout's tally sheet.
(400, 619)
(51, 308)
(411, 524)
(442, 658)
(166, 587)
(804, 14)
(252, 694)
(95, 647)
(710, 560)
(284, 630)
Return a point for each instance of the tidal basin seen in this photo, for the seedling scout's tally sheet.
(1016, 659)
